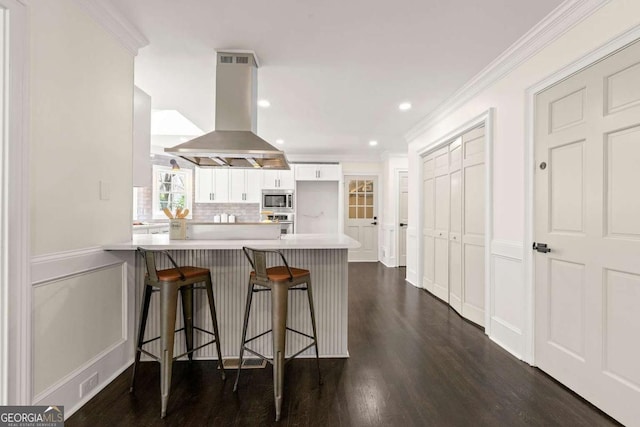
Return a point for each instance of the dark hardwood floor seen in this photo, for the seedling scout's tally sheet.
(414, 362)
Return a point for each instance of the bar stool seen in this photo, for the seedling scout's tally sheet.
(168, 282)
(278, 280)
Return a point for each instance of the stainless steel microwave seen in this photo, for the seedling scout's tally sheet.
(277, 200)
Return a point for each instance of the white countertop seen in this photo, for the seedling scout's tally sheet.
(288, 241)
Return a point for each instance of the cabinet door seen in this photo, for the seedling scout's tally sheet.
(204, 185)
(287, 181)
(329, 172)
(252, 186)
(306, 173)
(237, 185)
(270, 179)
(220, 185)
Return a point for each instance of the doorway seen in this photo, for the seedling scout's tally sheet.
(361, 216)
(455, 196)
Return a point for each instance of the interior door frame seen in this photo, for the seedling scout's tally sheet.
(486, 118)
(396, 227)
(608, 48)
(15, 283)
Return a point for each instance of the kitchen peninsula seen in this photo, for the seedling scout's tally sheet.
(325, 255)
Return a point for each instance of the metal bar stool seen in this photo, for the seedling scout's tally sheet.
(279, 280)
(168, 282)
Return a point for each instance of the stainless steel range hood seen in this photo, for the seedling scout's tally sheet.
(234, 142)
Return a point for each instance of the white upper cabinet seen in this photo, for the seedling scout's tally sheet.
(278, 180)
(318, 172)
(244, 185)
(212, 185)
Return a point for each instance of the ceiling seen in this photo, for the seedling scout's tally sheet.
(334, 71)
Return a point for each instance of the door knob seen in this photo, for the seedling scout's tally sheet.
(541, 247)
(374, 223)
(402, 224)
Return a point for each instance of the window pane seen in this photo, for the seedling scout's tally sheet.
(370, 212)
(368, 186)
(352, 186)
(353, 200)
(369, 200)
(361, 213)
(178, 183)
(352, 213)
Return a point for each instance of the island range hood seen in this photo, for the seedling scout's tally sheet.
(234, 143)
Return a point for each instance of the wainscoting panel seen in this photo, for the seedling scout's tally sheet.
(82, 324)
(507, 296)
(412, 257)
(388, 250)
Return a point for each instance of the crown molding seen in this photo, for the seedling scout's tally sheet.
(114, 22)
(554, 25)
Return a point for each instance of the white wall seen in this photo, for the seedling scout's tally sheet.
(507, 96)
(81, 97)
(317, 206)
(81, 130)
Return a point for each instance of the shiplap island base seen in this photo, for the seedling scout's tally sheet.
(324, 255)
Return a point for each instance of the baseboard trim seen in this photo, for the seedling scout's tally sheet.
(95, 391)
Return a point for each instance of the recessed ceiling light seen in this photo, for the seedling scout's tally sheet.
(373, 143)
(280, 141)
(264, 103)
(404, 106)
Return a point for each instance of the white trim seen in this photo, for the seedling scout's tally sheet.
(486, 119)
(620, 41)
(559, 21)
(113, 22)
(16, 292)
(507, 249)
(333, 158)
(55, 266)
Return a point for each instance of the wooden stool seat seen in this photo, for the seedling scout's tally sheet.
(281, 274)
(173, 274)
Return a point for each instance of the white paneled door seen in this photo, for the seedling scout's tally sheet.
(361, 218)
(587, 286)
(403, 217)
(453, 231)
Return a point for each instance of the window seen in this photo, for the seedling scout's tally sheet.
(361, 199)
(171, 189)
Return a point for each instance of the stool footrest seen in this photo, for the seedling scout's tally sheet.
(157, 359)
(195, 349)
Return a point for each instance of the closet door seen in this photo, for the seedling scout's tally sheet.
(428, 224)
(441, 224)
(455, 225)
(473, 170)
